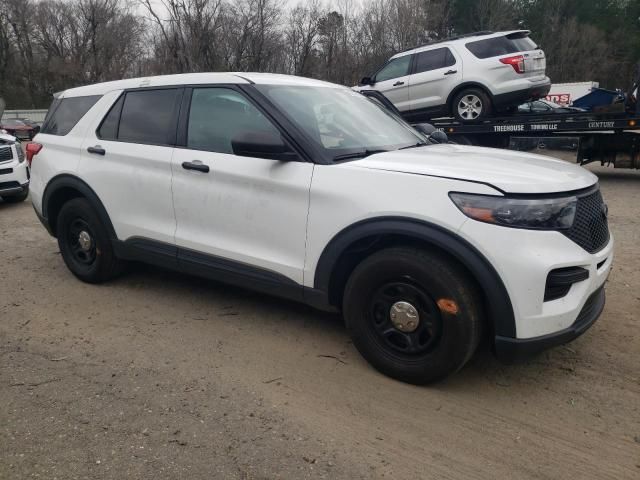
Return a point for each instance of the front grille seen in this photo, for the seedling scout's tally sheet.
(590, 229)
(6, 153)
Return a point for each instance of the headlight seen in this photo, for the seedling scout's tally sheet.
(20, 152)
(537, 214)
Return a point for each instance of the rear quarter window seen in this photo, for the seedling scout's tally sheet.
(65, 113)
(497, 46)
(109, 128)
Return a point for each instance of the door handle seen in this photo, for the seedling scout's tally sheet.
(98, 150)
(398, 83)
(451, 72)
(196, 165)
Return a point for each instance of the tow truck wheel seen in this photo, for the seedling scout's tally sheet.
(471, 105)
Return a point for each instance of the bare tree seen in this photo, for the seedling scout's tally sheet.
(301, 36)
(18, 18)
(252, 34)
(49, 45)
(188, 34)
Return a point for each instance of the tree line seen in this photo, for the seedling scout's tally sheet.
(50, 45)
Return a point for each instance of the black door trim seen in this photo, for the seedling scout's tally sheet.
(209, 266)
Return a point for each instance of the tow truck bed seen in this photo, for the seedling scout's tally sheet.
(599, 137)
(608, 138)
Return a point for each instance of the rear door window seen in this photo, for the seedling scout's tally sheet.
(65, 113)
(148, 117)
(434, 59)
(398, 67)
(494, 47)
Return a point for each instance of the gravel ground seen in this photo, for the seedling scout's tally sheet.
(159, 375)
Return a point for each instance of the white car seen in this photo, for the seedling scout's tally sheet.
(14, 172)
(468, 77)
(310, 191)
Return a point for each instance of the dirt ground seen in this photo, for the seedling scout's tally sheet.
(159, 375)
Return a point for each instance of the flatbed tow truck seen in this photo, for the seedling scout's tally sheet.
(609, 135)
(608, 138)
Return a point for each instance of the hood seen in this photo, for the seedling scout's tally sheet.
(6, 138)
(506, 170)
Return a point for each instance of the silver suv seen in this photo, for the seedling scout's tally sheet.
(468, 77)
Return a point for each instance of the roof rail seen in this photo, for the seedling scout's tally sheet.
(448, 39)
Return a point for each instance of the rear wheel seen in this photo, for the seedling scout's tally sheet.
(413, 314)
(471, 105)
(85, 244)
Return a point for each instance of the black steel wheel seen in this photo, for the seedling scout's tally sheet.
(405, 317)
(415, 315)
(81, 242)
(85, 244)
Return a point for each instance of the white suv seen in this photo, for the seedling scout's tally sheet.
(311, 191)
(468, 77)
(14, 172)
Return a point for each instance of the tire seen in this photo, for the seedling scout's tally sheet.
(96, 262)
(17, 198)
(449, 321)
(471, 105)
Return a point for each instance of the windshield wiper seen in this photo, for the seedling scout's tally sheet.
(419, 144)
(360, 154)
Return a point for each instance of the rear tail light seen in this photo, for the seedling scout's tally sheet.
(517, 62)
(32, 150)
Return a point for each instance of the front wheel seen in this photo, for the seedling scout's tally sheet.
(413, 314)
(471, 105)
(85, 244)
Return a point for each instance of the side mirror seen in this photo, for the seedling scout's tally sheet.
(439, 136)
(268, 145)
(367, 81)
(425, 128)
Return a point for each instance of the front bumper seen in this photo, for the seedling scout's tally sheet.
(14, 178)
(13, 188)
(511, 350)
(523, 259)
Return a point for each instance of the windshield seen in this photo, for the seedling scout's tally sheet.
(340, 121)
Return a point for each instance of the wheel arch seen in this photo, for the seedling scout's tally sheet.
(65, 187)
(357, 241)
(464, 86)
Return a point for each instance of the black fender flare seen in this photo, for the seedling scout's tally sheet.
(498, 304)
(64, 181)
